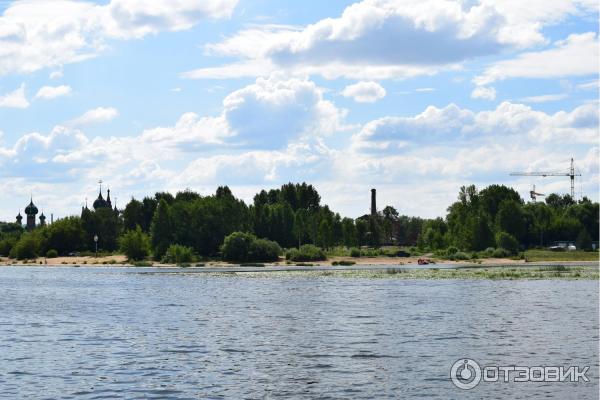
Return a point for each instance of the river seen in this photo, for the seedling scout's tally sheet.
(94, 332)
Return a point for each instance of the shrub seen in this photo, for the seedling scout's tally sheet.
(6, 245)
(27, 247)
(369, 253)
(135, 244)
(507, 241)
(402, 253)
(51, 253)
(264, 250)
(291, 254)
(354, 252)
(489, 251)
(245, 247)
(500, 253)
(343, 262)
(459, 255)
(142, 264)
(307, 252)
(450, 251)
(236, 246)
(178, 254)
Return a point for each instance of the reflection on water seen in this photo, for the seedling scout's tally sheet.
(97, 333)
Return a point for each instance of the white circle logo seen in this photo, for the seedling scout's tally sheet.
(465, 373)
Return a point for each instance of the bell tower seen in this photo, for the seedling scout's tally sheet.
(31, 211)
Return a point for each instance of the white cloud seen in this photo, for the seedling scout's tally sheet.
(40, 34)
(381, 39)
(591, 85)
(100, 114)
(15, 99)
(275, 130)
(52, 92)
(576, 56)
(266, 114)
(274, 110)
(454, 126)
(544, 98)
(483, 92)
(364, 92)
(56, 74)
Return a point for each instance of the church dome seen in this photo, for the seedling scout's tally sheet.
(31, 209)
(99, 202)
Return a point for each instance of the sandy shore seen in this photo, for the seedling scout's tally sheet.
(121, 260)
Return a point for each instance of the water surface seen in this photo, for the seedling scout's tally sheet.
(96, 333)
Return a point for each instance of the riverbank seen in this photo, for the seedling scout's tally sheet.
(343, 262)
(492, 273)
(548, 270)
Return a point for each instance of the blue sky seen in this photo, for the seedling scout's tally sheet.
(415, 98)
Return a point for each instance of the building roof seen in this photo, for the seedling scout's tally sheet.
(99, 202)
(31, 209)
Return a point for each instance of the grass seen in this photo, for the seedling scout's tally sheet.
(547, 255)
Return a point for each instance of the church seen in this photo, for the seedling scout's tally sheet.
(31, 211)
(101, 203)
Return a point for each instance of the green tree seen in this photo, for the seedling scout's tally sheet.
(349, 232)
(133, 214)
(300, 225)
(511, 219)
(493, 195)
(28, 246)
(362, 227)
(481, 235)
(65, 235)
(507, 241)
(542, 216)
(135, 244)
(584, 240)
(160, 230)
(325, 234)
(374, 234)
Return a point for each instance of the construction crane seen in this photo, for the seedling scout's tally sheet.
(571, 174)
(534, 195)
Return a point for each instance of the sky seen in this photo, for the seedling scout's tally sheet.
(413, 98)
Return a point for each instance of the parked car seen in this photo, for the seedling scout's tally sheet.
(556, 248)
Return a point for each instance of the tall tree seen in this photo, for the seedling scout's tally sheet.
(160, 230)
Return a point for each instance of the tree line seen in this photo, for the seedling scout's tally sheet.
(164, 226)
(497, 217)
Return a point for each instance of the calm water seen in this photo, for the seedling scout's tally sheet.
(98, 333)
